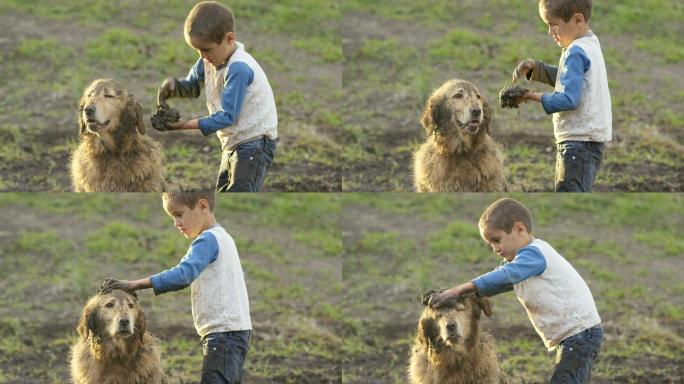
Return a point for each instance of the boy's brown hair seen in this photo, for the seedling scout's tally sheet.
(565, 9)
(190, 198)
(503, 214)
(209, 21)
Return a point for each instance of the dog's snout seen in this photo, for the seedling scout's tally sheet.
(124, 322)
(475, 112)
(89, 109)
(451, 326)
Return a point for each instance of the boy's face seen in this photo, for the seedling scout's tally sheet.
(561, 32)
(214, 54)
(190, 222)
(505, 244)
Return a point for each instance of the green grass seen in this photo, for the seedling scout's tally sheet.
(419, 46)
(140, 44)
(407, 243)
(58, 257)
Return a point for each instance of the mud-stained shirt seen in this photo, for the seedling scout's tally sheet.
(239, 99)
(580, 103)
(556, 298)
(218, 292)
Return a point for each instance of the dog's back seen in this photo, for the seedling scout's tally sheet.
(458, 155)
(114, 155)
(114, 346)
(450, 348)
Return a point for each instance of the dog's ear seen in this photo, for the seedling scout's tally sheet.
(435, 115)
(132, 115)
(141, 325)
(487, 111)
(483, 305)
(89, 323)
(81, 123)
(428, 334)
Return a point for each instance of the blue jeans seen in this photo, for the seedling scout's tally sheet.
(244, 168)
(577, 163)
(224, 354)
(575, 356)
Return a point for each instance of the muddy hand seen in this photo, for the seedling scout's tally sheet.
(523, 69)
(425, 296)
(111, 284)
(440, 299)
(166, 89)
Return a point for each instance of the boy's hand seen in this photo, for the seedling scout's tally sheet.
(525, 69)
(183, 125)
(111, 284)
(166, 89)
(442, 298)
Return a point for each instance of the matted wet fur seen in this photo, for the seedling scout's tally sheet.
(114, 346)
(459, 155)
(114, 155)
(450, 347)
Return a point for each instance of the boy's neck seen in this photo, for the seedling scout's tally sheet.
(230, 54)
(210, 222)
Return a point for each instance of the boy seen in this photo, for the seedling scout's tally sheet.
(582, 119)
(220, 307)
(556, 298)
(239, 98)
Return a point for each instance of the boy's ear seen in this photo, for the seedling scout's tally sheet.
(229, 37)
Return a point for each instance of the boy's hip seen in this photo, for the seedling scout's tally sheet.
(580, 148)
(232, 138)
(240, 337)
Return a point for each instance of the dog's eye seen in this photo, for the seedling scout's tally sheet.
(109, 305)
(478, 96)
(109, 96)
(130, 305)
(458, 96)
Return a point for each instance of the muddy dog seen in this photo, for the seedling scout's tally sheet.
(114, 346)
(450, 348)
(459, 155)
(114, 155)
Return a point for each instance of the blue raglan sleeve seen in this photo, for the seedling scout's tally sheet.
(203, 251)
(238, 77)
(576, 64)
(527, 263)
(191, 84)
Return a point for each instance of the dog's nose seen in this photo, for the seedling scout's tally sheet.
(124, 322)
(89, 109)
(475, 112)
(451, 326)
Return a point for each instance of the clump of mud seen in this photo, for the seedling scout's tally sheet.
(164, 116)
(511, 96)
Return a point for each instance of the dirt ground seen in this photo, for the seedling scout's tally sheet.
(397, 248)
(394, 64)
(55, 257)
(49, 61)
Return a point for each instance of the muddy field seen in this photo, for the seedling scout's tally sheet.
(59, 248)
(394, 249)
(397, 52)
(49, 52)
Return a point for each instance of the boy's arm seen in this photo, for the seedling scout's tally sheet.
(239, 77)
(187, 87)
(202, 252)
(572, 80)
(527, 263)
(543, 73)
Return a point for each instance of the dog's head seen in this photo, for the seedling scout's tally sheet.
(113, 315)
(453, 324)
(457, 110)
(109, 114)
